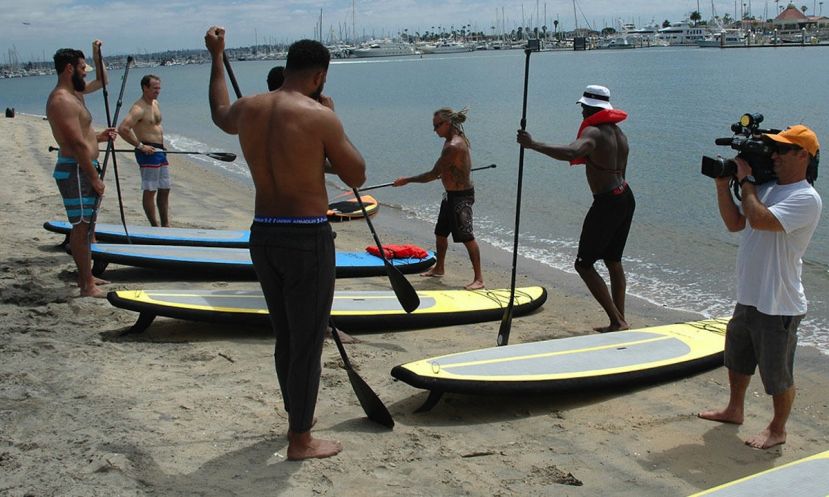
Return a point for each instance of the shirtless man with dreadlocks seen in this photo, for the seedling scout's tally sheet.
(453, 167)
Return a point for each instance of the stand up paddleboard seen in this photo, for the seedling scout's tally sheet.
(151, 235)
(346, 210)
(574, 363)
(806, 477)
(211, 260)
(352, 310)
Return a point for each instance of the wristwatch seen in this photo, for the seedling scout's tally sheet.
(748, 178)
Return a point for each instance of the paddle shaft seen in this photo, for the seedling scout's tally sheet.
(506, 320)
(370, 402)
(222, 156)
(110, 149)
(383, 185)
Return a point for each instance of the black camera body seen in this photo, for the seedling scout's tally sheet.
(748, 142)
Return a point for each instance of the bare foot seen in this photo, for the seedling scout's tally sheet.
(766, 439)
(723, 416)
(99, 281)
(432, 273)
(612, 327)
(475, 285)
(304, 446)
(93, 291)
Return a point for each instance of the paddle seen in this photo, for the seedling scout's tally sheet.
(110, 148)
(371, 403)
(506, 319)
(405, 292)
(383, 185)
(222, 156)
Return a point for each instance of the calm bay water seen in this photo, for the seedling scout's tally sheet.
(679, 254)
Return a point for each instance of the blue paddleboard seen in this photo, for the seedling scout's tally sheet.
(235, 261)
(151, 235)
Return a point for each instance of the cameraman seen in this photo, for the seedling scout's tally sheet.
(778, 219)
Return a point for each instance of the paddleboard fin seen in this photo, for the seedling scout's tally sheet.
(431, 401)
(145, 319)
(98, 267)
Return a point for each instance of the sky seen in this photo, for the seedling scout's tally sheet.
(36, 28)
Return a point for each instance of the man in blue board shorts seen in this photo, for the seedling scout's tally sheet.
(76, 171)
(603, 148)
(286, 136)
(777, 220)
(142, 129)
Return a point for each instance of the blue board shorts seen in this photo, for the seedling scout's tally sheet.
(155, 174)
(79, 198)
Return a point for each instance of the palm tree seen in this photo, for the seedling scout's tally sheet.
(696, 17)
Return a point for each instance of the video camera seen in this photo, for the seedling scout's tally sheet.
(747, 140)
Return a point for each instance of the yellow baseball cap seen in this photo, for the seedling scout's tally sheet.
(798, 135)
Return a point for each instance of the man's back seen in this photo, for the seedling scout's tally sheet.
(607, 163)
(285, 137)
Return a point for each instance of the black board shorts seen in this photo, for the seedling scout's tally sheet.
(455, 216)
(606, 226)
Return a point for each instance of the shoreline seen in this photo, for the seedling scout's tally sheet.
(190, 408)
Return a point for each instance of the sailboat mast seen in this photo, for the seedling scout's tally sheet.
(575, 15)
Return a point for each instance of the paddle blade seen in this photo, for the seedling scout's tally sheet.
(405, 292)
(372, 405)
(222, 156)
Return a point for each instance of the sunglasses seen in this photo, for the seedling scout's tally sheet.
(438, 125)
(784, 149)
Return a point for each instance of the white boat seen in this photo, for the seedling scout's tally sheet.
(645, 36)
(615, 43)
(681, 33)
(725, 38)
(446, 46)
(383, 48)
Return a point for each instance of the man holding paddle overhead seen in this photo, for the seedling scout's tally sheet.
(603, 148)
(286, 135)
(142, 129)
(453, 167)
(77, 172)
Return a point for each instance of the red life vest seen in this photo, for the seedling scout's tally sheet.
(399, 251)
(605, 116)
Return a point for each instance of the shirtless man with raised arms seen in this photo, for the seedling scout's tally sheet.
(286, 135)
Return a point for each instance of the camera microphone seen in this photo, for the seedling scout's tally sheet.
(723, 141)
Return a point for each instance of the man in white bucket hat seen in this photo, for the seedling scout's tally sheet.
(602, 147)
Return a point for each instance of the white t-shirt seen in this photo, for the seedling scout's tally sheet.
(769, 262)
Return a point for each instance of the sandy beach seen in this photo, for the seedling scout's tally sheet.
(194, 409)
